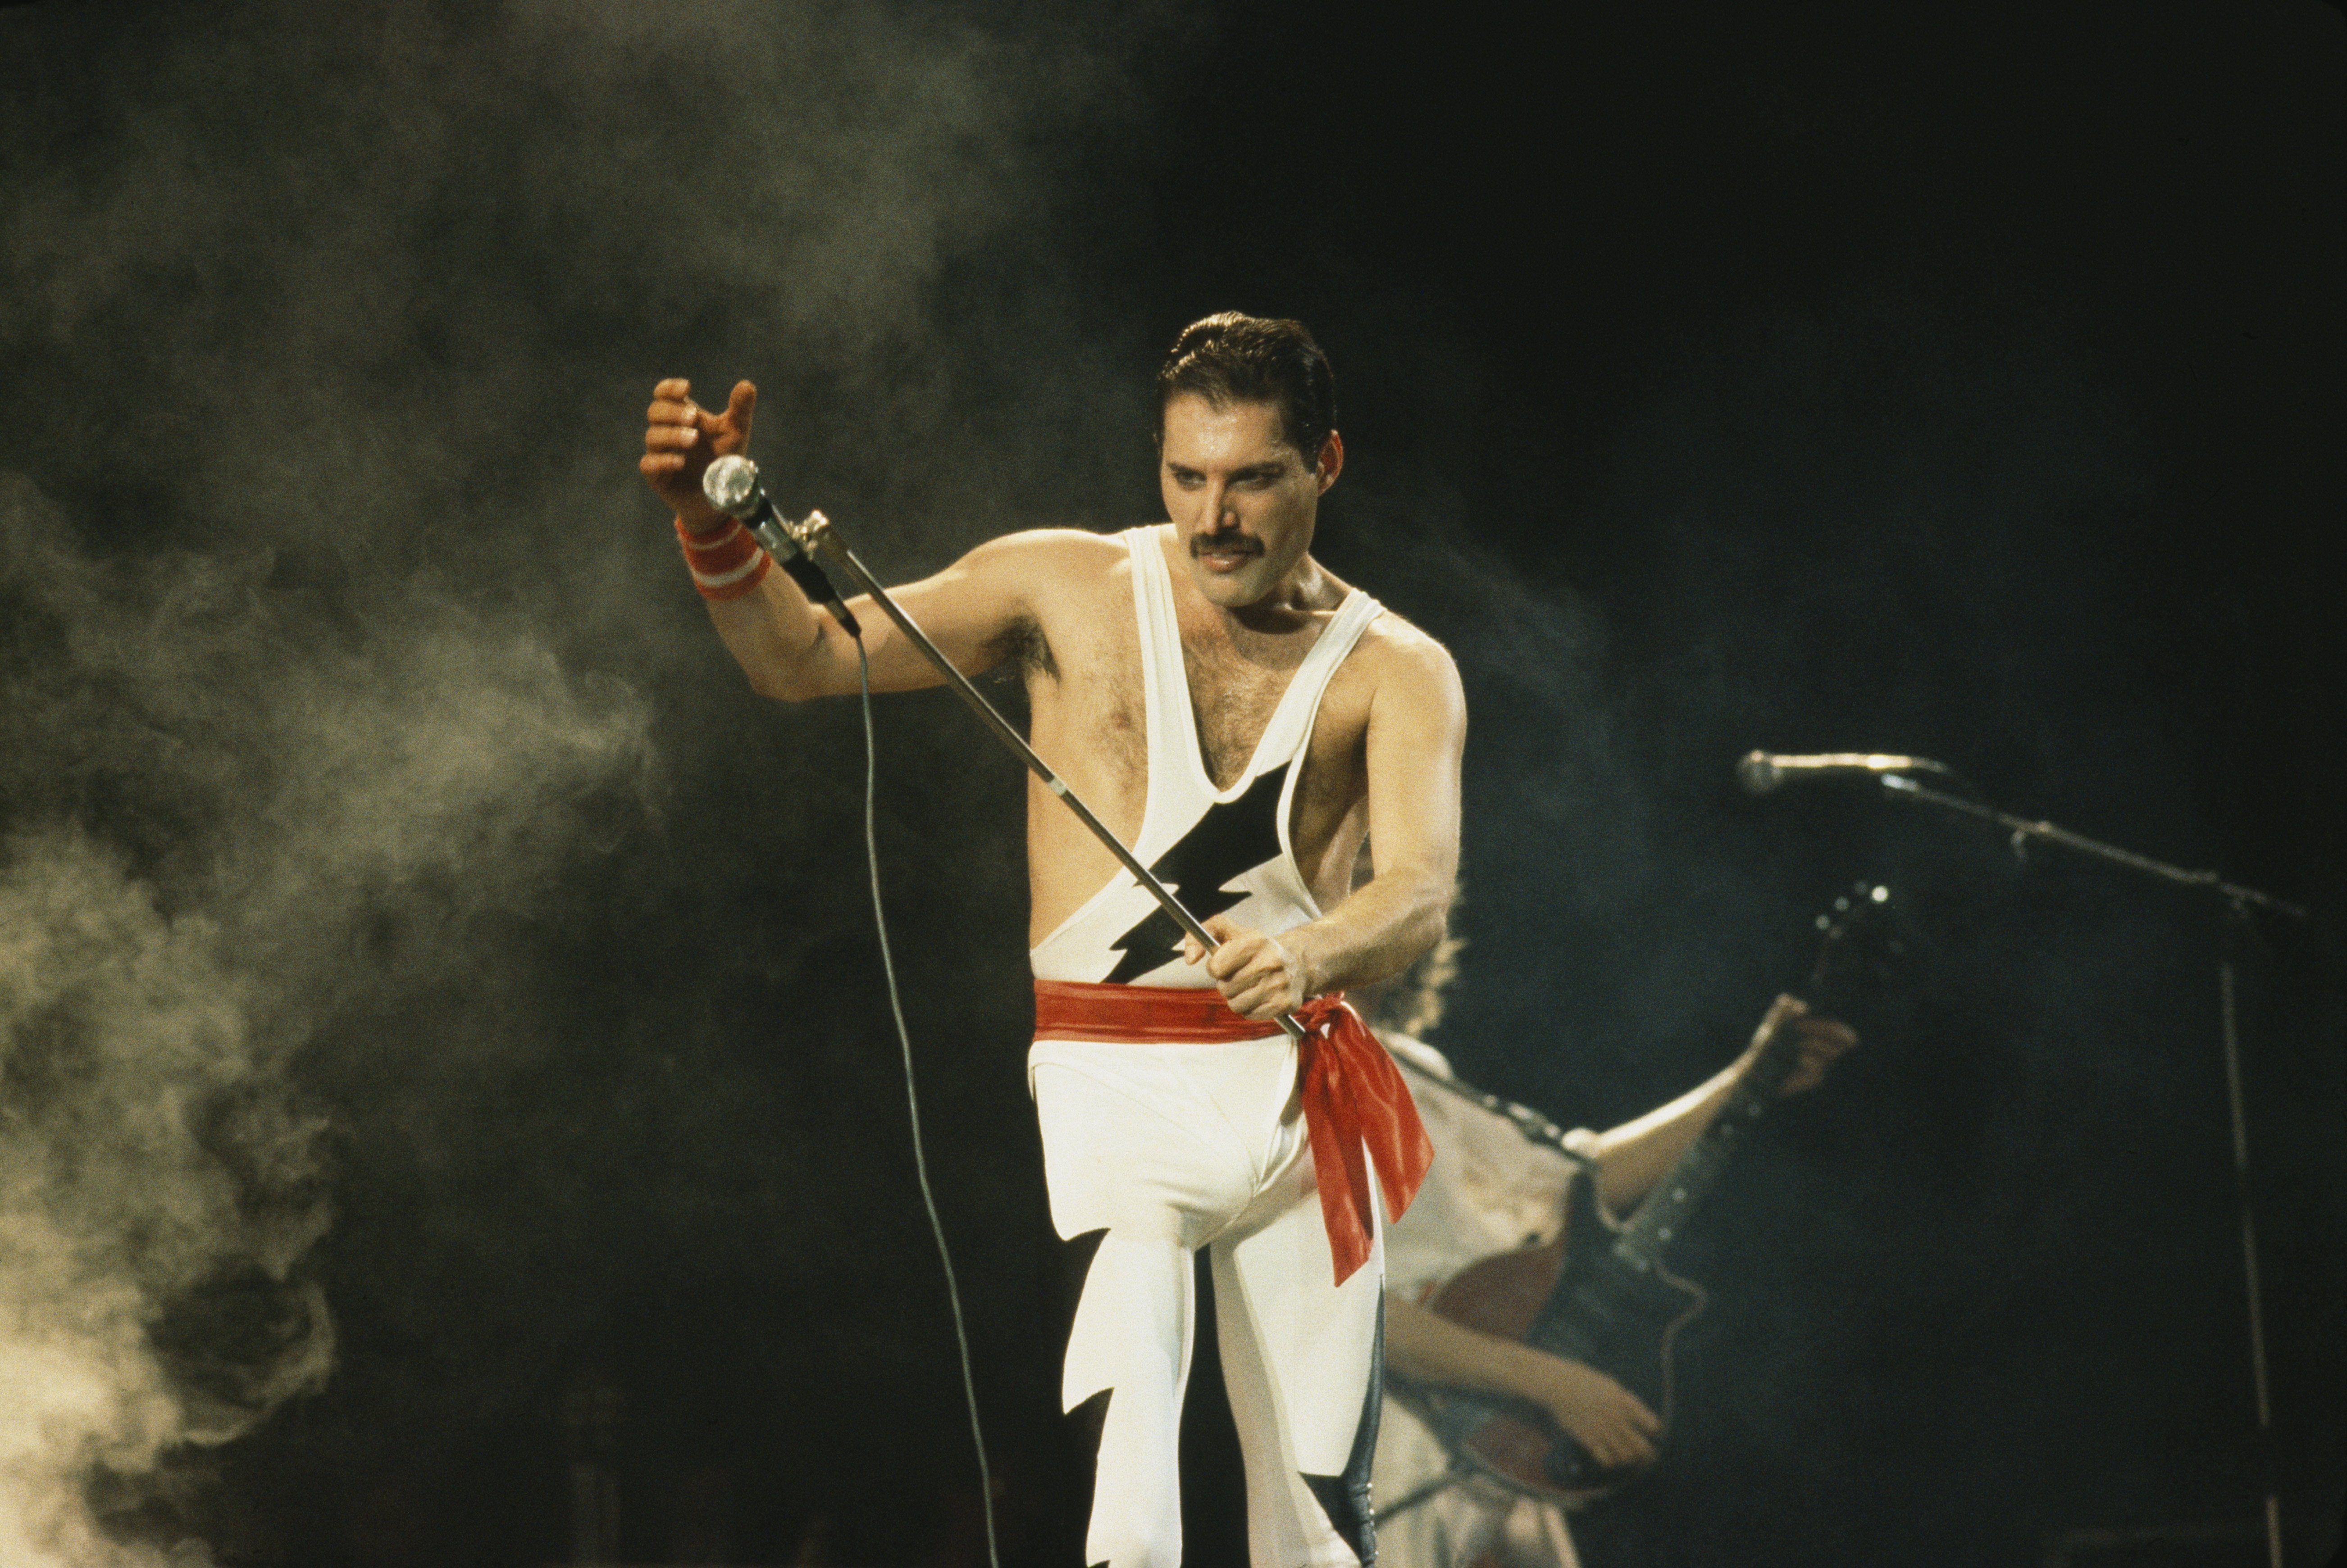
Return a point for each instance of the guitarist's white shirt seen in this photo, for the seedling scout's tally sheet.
(1490, 1190)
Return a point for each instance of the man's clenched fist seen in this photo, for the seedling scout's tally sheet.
(1261, 978)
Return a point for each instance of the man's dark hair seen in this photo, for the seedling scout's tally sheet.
(1233, 358)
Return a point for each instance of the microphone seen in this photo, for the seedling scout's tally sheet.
(732, 488)
(1761, 773)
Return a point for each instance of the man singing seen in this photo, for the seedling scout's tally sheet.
(1243, 721)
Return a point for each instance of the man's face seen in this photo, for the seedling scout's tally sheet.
(1243, 499)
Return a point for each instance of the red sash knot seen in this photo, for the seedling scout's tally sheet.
(1357, 1108)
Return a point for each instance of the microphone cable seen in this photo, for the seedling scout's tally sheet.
(913, 1101)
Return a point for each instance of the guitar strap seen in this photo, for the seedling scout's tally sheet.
(1535, 1127)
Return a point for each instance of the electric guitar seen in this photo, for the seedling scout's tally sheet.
(1599, 1294)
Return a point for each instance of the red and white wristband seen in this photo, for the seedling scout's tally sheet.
(725, 564)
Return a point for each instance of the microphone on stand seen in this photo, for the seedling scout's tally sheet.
(1762, 773)
(732, 488)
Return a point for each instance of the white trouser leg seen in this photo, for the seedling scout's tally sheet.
(1167, 1149)
(1300, 1356)
(1131, 1336)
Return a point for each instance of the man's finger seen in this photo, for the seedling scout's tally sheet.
(1259, 1004)
(1622, 1443)
(1244, 972)
(1781, 1012)
(1213, 926)
(1830, 1033)
(1266, 998)
(1256, 1010)
(741, 405)
(1241, 950)
(1250, 989)
(1821, 1041)
(673, 389)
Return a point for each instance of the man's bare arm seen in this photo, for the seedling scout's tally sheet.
(1613, 1423)
(1634, 1157)
(792, 651)
(789, 648)
(1417, 734)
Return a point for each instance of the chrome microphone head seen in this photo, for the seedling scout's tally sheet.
(1756, 774)
(731, 486)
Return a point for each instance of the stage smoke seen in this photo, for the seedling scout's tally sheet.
(214, 807)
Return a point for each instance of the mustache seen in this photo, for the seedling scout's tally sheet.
(1231, 540)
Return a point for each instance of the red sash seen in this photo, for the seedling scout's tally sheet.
(1355, 1100)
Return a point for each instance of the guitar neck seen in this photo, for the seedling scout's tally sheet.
(1641, 1242)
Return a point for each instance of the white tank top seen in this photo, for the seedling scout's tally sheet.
(1220, 851)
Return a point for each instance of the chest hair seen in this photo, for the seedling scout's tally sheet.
(1233, 698)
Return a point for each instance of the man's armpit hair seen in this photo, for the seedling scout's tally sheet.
(1023, 648)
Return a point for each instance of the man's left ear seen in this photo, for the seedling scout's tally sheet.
(1331, 462)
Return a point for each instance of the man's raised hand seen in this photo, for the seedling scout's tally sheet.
(681, 439)
(1821, 1040)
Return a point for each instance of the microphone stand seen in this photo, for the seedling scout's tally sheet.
(814, 532)
(2238, 903)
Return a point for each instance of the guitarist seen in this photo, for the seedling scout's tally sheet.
(1493, 1189)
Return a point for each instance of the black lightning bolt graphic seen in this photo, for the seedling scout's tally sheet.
(1345, 1499)
(1228, 841)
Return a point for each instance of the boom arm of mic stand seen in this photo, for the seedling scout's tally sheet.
(1901, 788)
(815, 533)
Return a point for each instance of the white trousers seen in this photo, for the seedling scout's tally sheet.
(1167, 1149)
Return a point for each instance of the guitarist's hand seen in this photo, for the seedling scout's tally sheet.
(1821, 1040)
(1613, 1423)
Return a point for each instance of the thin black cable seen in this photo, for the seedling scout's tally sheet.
(913, 1102)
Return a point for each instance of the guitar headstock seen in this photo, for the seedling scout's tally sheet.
(1861, 943)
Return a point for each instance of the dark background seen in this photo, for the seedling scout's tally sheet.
(1812, 377)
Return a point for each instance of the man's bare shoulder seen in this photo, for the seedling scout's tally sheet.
(1036, 570)
(1053, 550)
(1396, 649)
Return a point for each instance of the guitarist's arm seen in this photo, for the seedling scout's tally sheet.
(1634, 1157)
(1613, 1423)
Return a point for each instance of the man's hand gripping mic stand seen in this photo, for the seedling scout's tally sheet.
(731, 486)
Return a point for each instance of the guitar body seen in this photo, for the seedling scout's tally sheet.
(1573, 1298)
